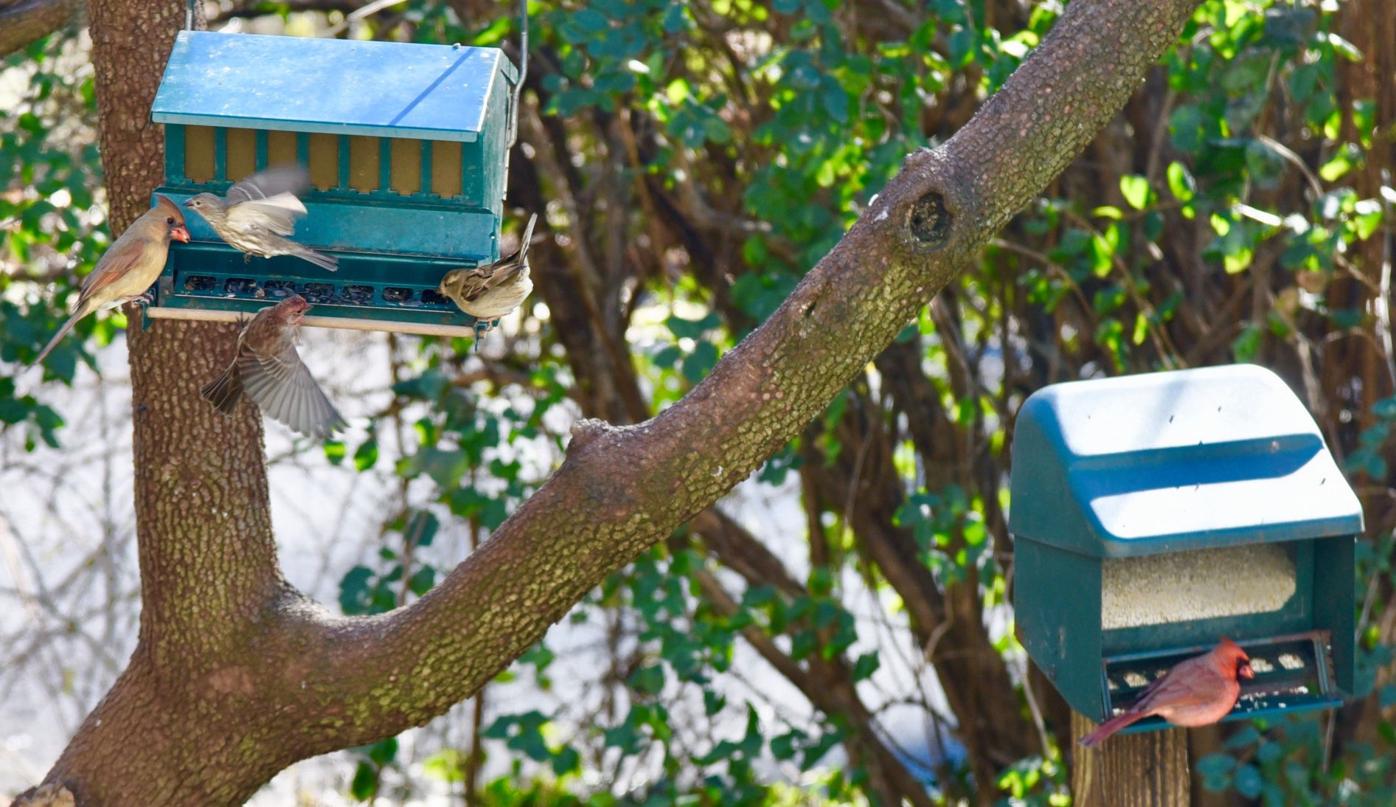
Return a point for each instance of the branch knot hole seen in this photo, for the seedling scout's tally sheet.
(929, 221)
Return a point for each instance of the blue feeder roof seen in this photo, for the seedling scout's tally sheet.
(1164, 462)
(334, 86)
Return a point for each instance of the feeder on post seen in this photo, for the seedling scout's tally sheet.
(1154, 514)
(406, 146)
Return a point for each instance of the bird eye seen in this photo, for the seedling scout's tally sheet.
(170, 221)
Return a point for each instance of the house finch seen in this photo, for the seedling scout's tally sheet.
(259, 212)
(489, 292)
(1195, 692)
(129, 266)
(268, 368)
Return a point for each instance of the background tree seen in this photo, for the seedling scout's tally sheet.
(693, 161)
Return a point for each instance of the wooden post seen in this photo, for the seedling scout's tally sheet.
(1132, 770)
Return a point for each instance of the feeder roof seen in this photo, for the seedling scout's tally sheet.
(334, 86)
(1164, 462)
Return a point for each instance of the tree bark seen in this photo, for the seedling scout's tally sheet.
(24, 21)
(1131, 770)
(236, 675)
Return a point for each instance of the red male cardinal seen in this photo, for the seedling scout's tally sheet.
(129, 266)
(268, 368)
(1195, 692)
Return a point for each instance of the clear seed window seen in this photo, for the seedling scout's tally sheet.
(1181, 587)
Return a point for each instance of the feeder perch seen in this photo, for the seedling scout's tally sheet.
(1154, 514)
(406, 148)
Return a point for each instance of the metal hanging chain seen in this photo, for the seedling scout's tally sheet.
(523, 71)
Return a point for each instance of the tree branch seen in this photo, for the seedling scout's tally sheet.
(626, 488)
(275, 678)
(23, 21)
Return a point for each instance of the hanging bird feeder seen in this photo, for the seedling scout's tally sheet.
(1154, 514)
(406, 146)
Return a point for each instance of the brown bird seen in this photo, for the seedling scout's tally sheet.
(1196, 692)
(268, 368)
(259, 212)
(489, 292)
(129, 266)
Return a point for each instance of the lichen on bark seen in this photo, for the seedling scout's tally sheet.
(236, 675)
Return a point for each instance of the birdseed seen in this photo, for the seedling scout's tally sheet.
(1202, 584)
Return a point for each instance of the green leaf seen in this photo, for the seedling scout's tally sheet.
(1247, 781)
(1180, 182)
(365, 783)
(353, 590)
(648, 680)
(422, 580)
(1215, 764)
(447, 765)
(1136, 190)
(865, 666)
(566, 761)
(366, 456)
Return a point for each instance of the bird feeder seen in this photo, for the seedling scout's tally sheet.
(406, 148)
(1154, 514)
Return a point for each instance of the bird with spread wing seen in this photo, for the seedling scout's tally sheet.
(259, 213)
(268, 368)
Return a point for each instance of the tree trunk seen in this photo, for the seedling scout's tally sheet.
(236, 676)
(1131, 770)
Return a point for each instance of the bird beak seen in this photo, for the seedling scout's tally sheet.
(180, 234)
(1245, 671)
(189, 203)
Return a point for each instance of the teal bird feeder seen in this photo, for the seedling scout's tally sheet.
(406, 146)
(1154, 514)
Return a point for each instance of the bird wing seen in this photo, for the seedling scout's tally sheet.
(289, 179)
(282, 386)
(475, 282)
(277, 213)
(1190, 683)
(126, 254)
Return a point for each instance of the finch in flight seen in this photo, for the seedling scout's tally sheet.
(268, 368)
(259, 212)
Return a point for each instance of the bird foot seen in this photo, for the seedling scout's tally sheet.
(146, 299)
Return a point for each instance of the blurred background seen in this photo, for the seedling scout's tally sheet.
(847, 605)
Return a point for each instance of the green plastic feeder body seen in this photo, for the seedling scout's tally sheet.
(406, 146)
(1154, 514)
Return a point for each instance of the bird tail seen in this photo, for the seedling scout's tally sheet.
(224, 391)
(1109, 727)
(527, 238)
(327, 262)
(82, 311)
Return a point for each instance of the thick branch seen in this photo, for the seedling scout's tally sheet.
(23, 21)
(257, 678)
(628, 487)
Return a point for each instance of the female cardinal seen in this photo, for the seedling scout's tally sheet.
(489, 292)
(129, 266)
(259, 212)
(268, 368)
(1195, 692)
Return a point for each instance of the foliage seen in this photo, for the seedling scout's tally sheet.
(694, 159)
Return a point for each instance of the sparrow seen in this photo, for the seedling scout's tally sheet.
(130, 265)
(1195, 692)
(259, 212)
(489, 292)
(268, 368)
